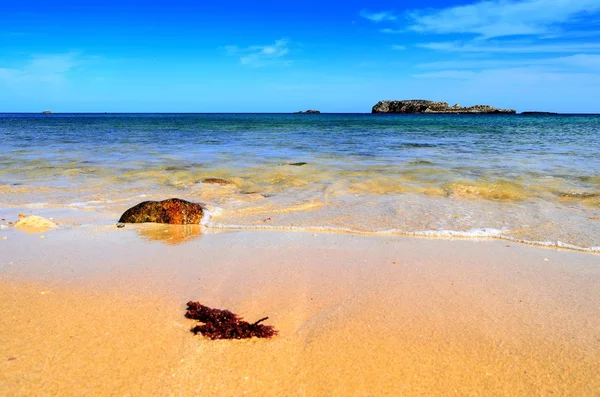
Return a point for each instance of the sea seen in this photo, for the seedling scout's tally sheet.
(524, 178)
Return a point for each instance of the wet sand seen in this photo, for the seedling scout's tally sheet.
(96, 310)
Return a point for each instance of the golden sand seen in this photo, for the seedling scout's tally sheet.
(99, 311)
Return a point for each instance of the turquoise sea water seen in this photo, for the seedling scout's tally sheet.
(533, 178)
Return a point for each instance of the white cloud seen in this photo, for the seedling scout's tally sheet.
(378, 16)
(49, 68)
(510, 47)
(497, 18)
(262, 55)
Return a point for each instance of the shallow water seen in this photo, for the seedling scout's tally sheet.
(533, 178)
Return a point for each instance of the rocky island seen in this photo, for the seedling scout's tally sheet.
(423, 106)
(309, 111)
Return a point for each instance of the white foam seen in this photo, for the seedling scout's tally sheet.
(478, 233)
(208, 212)
(214, 210)
(36, 205)
(553, 244)
(86, 205)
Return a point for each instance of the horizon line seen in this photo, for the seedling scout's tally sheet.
(525, 112)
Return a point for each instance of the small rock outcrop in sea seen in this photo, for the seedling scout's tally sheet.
(536, 113)
(174, 211)
(309, 111)
(423, 106)
(47, 112)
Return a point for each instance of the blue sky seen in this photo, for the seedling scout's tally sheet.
(274, 56)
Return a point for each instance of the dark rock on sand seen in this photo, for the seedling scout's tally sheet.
(423, 106)
(175, 211)
(217, 181)
(298, 164)
(309, 111)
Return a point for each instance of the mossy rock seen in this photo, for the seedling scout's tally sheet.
(173, 211)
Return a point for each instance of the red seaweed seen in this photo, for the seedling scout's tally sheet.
(223, 324)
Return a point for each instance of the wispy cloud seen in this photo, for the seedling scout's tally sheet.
(392, 31)
(510, 47)
(448, 74)
(582, 62)
(578, 62)
(518, 77)
(498, 18)
(48, 68)
(499, 49)
(579, 34)
(526, 88)
(378, 16)
(261, 55)
(586, 61)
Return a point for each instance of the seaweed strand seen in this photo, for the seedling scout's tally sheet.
(223, 324)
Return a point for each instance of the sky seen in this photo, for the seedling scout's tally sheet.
(278, 56)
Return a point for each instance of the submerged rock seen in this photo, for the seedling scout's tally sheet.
(174, 211)
(423, 106)
(217, 181)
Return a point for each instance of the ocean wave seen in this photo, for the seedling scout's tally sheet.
(477, 233)
(36, 205)
(94, 204)
(497, 190)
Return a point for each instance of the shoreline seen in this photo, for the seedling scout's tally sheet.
(450, 235)
(532, 180)
(100, 309)
(72, 217)
(521, 113)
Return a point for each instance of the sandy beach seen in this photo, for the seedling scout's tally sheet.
(97, 310)
(300, 199)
